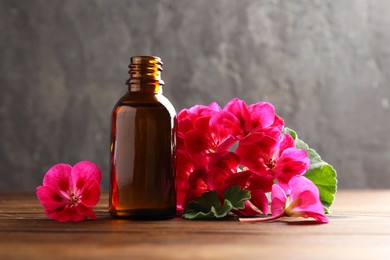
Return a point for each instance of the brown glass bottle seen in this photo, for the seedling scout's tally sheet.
(143, 144)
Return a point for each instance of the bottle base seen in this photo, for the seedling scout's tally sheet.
(144, 214)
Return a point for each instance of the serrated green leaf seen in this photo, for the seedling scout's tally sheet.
(322, 174)
(237, 197)
(291, 132)
(208, 205)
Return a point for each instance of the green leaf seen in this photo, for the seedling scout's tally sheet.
(324, 177)
(291, 132)
(208, 205)
(322, 174)
(236, 196)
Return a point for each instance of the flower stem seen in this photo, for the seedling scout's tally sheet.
(262, 219)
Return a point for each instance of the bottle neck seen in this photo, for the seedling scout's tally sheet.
(145, 74)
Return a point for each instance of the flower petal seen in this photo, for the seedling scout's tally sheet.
(213, 106)
(278, 123)
(85, 211)
(50, 198)
(85, 169)
(263, 182)
(320, 218)
(240, 110)
(185, 125)
(82, 173)
(184, 165)
(202, 123)
(278, 200)
(220, 168)
(253, 156)
(262, 115)
(259, 199)
(196, 186)
(228, 122)
(237, 179)
(91, 193)
(306, 193)
(248, 211)
(65, 215)
(293, 162)
(196, 141)
(286, 142)
(59, 177)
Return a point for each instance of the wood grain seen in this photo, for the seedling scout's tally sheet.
(359, 228)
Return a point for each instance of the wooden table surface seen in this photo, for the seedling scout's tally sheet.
(359, 228)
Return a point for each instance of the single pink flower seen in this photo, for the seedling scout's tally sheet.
(301, 200)
(199, 136)
(278, 158)
(240, 120)
(69, 193)
(188, 117)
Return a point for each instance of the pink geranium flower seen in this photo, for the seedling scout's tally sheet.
(301, 199)
(240, 120)
(69, 193)
(197, 135)
(278, 158)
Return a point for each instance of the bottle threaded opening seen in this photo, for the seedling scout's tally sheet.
(145, 73)
(146, 60)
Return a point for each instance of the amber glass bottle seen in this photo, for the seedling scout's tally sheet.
(143, 156)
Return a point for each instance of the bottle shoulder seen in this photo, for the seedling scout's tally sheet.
(136, 101)
(167, 104)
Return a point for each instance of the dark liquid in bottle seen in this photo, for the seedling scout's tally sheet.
(142, 163)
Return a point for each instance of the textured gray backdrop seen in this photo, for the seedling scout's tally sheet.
(325, 65)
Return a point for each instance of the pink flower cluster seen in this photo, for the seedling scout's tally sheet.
(239, 145)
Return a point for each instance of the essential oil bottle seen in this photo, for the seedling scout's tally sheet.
(143, 146)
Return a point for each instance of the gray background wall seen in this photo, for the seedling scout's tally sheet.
(325, 65)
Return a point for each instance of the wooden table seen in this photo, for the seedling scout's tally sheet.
(359, 228)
